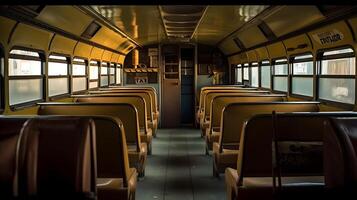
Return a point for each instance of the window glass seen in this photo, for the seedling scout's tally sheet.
(104, 69)
(281, 69)
(302, 86)
(246, 73)
(21, 67)
(255, 77)
(118, 76)
(57, 69)
(93, 72)
(239, 71)
(265, 76)
(337, 52)
(340, 66)
(303, 68)
(112, 69)
(24, 53)
(79, 84)
(24, 90)
(281, 83)
(93, 84)
(337, 89)
(78, 70)
(104, 81)
(111, 79)
(57, 86)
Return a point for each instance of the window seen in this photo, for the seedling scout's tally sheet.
(93, 74)
(265, 73)
(79, 75)
(280, 76)
(238, 72)
(336, 77)
(255, 74)
(118, 74)
(58, 79)
(112, 74)
(302, 75)
(25, 77)
(104, 74)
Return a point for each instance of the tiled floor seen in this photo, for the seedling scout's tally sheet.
(178, 169)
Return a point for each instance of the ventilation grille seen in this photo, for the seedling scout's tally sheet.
(91, 30)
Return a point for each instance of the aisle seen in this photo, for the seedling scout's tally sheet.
(179, 170)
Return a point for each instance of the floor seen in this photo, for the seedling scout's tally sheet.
(179, 169)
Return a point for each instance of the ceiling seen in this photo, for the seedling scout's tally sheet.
(203, 24)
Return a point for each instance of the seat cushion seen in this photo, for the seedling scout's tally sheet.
(224, 159)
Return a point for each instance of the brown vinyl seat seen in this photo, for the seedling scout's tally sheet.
(225, 152)
(127, 114)
(204, 115)
(220, 101)
(137, 100)
(148, 97)
(341, 156)
(10, 129)
(301, 146)
(57, 159)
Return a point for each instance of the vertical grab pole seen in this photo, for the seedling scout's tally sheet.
(275, 156)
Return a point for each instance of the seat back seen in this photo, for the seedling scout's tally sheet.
(236, 114)
(221, 101)
(212, 95)
(58, 158)
(151, 90)
(341, 152)
(144, 94)
(305, 132)
(10, 129)
(135, 100)
(127, 114)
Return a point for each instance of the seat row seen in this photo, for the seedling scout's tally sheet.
(122, 138)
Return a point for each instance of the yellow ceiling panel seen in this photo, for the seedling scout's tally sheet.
(107, 56)
(108, 38)
(251, 36)
(141, 23)
(252, 56)
(291, 18)
(262, 53)
(67, 18)
(220, 21)
(276, 50)
(114, 57)
(96, 53)
(228, 47)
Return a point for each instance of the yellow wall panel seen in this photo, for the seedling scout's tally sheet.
(62, 45)
(107, 55)
(96, 53)
(121, 59)
(6, 27)
(353, 23)
(108, 38)
(114, 58)
(252, 56)
(276, 50)
(330, 36)
(243, 58)
(27, 36)
(82, 50)
(228, 46)
(262, 53)
(295, 41)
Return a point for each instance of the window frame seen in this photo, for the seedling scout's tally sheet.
(319, 59)
(2, 79)
(103, 75)
(292, 75)
(68, 62)
(263, 64)
(273, 75)
(246, 66)
(98, 75)
(86, 75)
(42, 77)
